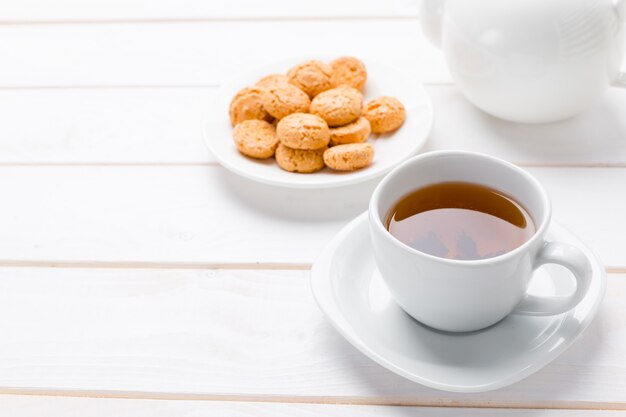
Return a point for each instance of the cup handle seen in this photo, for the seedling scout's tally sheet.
(571, 258)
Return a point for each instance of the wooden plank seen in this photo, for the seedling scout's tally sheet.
(103, 126)
(245, 335)
(184, 54)
(164, 214)
(595, 137)
(101, 10)
(186, 215)
(163, 126)
(36, 406)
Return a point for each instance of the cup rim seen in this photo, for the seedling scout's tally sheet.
(377, 222)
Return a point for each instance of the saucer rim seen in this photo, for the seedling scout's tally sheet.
(325, 299)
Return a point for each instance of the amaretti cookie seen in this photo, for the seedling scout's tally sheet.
(349, 157)
(355, 132)
(349, 71)
(303, 131)
(272, 80)
(255, 138)
(300, 160)
(384, 114)
(338, 106)
(246, 105)
(312, 77)
(313, 116)
(283, 99)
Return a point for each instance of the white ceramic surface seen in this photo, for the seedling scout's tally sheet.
(532, 60)
(467, 295)
(390, 149)
(350, 291)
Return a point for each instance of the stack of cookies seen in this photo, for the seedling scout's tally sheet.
(312, 117)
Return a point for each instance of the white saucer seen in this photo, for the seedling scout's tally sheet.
(390, 149)
(348, 288)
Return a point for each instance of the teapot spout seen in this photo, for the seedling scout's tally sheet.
(430, 14)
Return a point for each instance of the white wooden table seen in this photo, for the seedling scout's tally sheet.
(134, 268)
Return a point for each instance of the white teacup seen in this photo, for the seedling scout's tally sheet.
(460, 295)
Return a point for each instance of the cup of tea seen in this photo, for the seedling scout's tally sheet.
(457, 235)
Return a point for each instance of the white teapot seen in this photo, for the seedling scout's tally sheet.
(529, 61)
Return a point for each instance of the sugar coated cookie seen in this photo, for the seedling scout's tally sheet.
(338, 106)
(303, 131)
(284, 99)
(247, 104)
(312, 77)
(349, 157)
(255, 138)
(299, 160)
(355, 132)
(349, 71)
(272, 80)
(384, 114)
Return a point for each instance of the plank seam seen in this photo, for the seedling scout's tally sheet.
(42, 22)
(452, 403)
(138, 164)
(93, 264)
(52, 164)
(44, 87)
(108, 87)
(65, 264)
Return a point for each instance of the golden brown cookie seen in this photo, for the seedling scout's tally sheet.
(303, 131)
(272, 80)
(300, 160)
(246, 105)
(349, 157)
(312, 77)
(384, 113)
(255, 138)
(284, 99)
(338, 106)
(349, 71)
(355, 132)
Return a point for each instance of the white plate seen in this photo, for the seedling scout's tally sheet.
(348, 288)
(390, 149)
